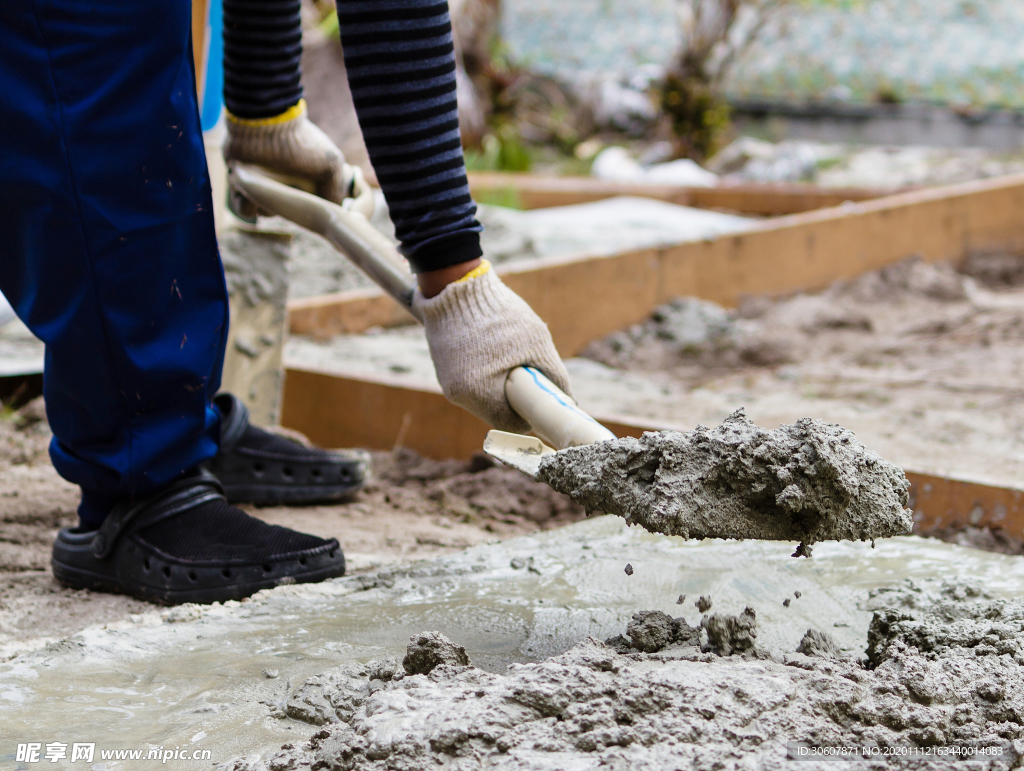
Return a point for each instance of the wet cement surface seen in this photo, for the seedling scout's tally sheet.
(413, 508)
(194, 677)
(943, 678)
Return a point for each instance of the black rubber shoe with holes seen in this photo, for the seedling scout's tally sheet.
(185, 543)
(256, 466)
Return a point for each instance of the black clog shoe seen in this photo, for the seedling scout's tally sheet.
(256, 466)
(185, 543)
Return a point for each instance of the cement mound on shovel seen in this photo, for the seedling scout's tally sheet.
(809, 481)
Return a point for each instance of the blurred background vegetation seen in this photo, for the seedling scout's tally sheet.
(549, 85)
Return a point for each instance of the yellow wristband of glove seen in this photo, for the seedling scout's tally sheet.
(479, 270)
(295, 111)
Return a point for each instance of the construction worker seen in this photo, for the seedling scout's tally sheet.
(109, 256)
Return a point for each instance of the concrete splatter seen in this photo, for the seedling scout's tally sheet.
(430, 650)
(943, 668)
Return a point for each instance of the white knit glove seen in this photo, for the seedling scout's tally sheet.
(292, 145)
(478, 330)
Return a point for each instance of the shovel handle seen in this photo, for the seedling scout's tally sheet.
(551, 413)
(344, 226)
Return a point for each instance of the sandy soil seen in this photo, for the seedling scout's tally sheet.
(921, 361)
(412, 509)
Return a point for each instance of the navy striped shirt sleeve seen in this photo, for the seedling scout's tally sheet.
(262, 49)
(401, 70)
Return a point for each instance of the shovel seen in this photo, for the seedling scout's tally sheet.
(552, 414)
(878, 488)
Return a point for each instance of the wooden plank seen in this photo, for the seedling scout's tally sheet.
(538, 192)
(338, 411)
(585, 297)
(809, 251)
(200, 14)
(345, 313)
(529, 191)
(777, 200)
(582, 300)
(378, 414)
(939, 502)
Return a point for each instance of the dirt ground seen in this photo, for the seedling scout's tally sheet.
(413, 508)
(927, 354)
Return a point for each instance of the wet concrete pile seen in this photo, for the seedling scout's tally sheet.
(806, 482)
(943, 668)
(650, 631)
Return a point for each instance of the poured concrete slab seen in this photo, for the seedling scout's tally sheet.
(600, 227)
(216, 677)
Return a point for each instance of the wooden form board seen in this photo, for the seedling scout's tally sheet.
(200, 14)
(378, 414)
(539, 192)
(939, 502)
(345, 313)
(585, 297)
(338, 411)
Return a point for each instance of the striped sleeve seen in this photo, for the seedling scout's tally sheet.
(262, 52)
(401, 70)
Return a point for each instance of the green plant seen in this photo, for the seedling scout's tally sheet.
(698, 116)
(500, 150)
(714, 35)
(887, 93)
(506, 197)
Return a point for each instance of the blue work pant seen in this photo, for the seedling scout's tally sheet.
(107, 244)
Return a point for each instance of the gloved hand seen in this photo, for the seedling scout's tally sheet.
(478, 330)
(291, 144)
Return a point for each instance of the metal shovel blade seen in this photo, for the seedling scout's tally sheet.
(518, 451)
